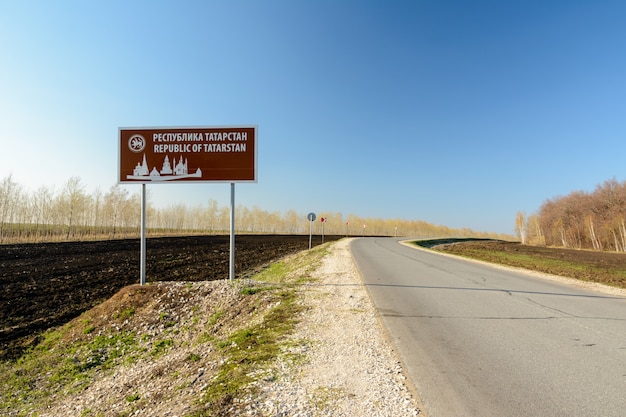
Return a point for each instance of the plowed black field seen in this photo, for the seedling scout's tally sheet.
(48, 284)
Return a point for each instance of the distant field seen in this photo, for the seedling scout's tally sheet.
(14, 233)
(602, 267)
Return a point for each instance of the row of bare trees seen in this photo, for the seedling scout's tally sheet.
(71, 213)
(583, 220)
(67, 214)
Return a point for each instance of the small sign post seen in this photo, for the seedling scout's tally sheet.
(311, 218)
(166, 155)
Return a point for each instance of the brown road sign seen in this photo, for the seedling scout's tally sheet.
(187, 154)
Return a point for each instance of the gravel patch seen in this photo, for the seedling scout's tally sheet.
(351, 369)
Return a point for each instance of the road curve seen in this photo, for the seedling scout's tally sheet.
(483, 341)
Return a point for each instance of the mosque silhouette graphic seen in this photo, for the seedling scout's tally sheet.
(175, 171)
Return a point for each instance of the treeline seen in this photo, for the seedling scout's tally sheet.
(581, 220)
(71, 213)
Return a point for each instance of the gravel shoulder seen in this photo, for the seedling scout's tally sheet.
(351, 368)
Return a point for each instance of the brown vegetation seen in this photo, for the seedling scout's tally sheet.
(580, 220)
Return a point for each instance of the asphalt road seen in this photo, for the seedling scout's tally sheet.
(483, 341)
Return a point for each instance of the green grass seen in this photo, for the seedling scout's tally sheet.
(193, 357)
(547, 260)
(161, 347)
(248, 350)
(251, 349)
(67, 367)
(525, 261)
(125, 314)
(528, 261)
(132, 398)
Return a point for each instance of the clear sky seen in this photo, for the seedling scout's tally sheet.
(458, 113)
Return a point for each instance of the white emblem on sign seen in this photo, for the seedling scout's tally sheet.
(136, 143)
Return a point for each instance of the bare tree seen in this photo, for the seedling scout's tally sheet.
(9, 191)
(586, 220)
(113, 207)
(534, 231)
(131, 214)
(291, 222)
(597, 245)
(520, 226)
(212, 215)
(71, 204)
(95, 212)
(74, 214)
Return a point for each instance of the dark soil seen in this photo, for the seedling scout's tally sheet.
(46, 285)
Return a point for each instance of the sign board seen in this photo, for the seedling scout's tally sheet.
(311, 217)
(155, 155)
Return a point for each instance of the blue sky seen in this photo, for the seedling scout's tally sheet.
(458, 113)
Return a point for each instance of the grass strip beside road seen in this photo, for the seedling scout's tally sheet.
(600, 267)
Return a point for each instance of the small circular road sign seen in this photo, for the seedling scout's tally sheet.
(311, 217)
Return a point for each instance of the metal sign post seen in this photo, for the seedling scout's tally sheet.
(231, 269)
(311, 218)
(142, 245)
